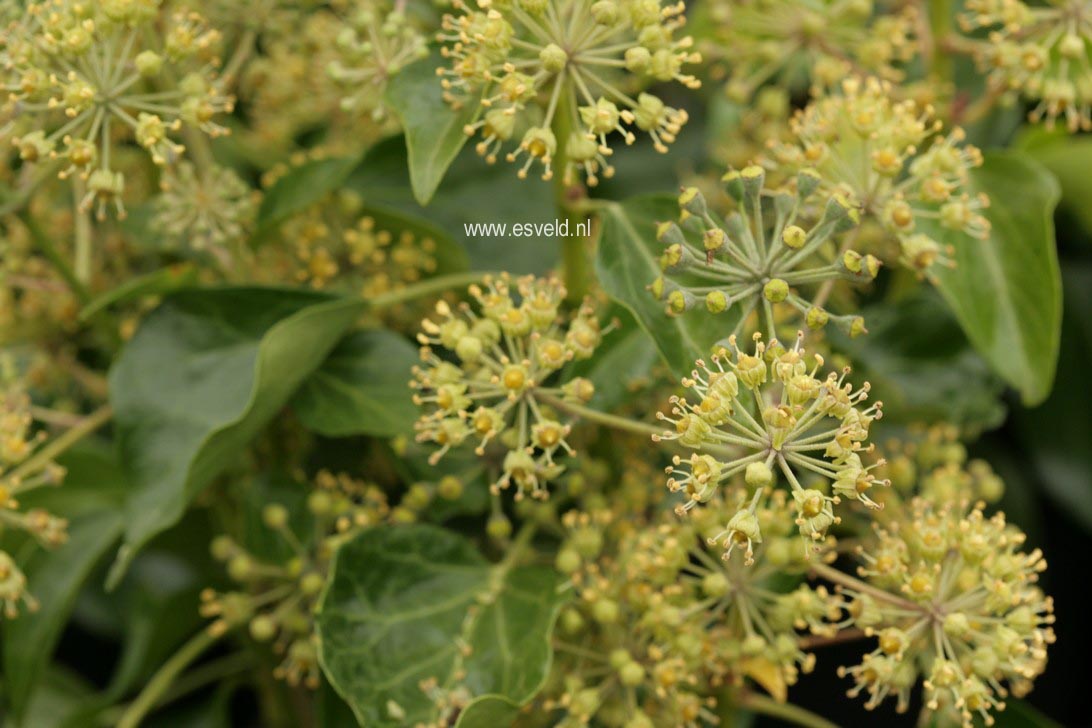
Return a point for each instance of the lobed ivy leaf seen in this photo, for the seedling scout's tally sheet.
(361, 388)
(202, 376)
(301, 187)
(434, 130)
(628, 261)
(400, 604)
(1006, 292)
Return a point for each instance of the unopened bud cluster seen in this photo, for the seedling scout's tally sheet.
(889, 157)
(789, 42)
(1038, 53)
(764, 416)
(660, 625)
(493, 382)
(376, 42)
(80, 75)
(536, 66)
(953, 600)
(332, 247)
(768, 252)
(932, 463)
(213, 210)
(276, 597)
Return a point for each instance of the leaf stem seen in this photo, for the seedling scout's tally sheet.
(839, 577)
(619, 423)
(82, 263)
(165, 677)
(426, 288)
(212, 672)
(575, 268)
(613, 421)
(766, 705)
(243, 48)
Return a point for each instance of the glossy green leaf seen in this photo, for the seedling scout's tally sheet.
(922, 367)
(202, 376)
(1057, 433)
(361, 388)
(1021, 714)
(57, 697)
(628, 261)
(1006, 291)
(301, 187)
(1068, 158)
(54, 578)
(487, 711)
(434, 131)
(157, 283)
(399, 603)
(475, 192)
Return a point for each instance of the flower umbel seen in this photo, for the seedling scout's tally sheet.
(889, 157)
(791, 41)
(583, 62)
(20, 473)
(277, 597)
(498, 392)
(85, 71)
(764, 254)
(1039, 52)
(209, 211)
(952, 598)
(376, 42)
(775, 413)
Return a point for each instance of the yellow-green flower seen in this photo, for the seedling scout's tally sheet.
(536, 66)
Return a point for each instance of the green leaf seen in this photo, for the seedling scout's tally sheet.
(922, 367)
(627, 262)
(362, 388)
(156, 283)
(434, 131)
(57, 697)
(1021, 714)
(475, 192)
(400, 602)
(301, 187)
(1006, 291)
(54, 578)
(1056, 434)
(1068, 158)
(487, 711)
(89, 499)
(202, 376)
